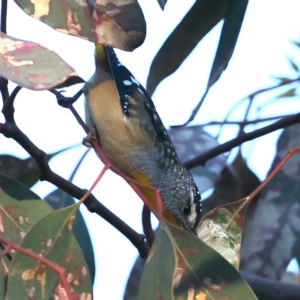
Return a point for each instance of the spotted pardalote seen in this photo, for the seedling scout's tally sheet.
(122, 117)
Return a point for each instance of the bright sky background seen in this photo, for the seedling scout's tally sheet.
(261, 51)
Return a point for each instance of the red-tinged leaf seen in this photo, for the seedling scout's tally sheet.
(52, 238)
(31, 65)
(119, 24)
(157, 278)
(192, 141)
(200, 19)
(276, 216)
(223, 232)
(202, 273)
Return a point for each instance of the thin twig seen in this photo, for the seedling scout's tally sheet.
(244, 123)
(253, 95)
(11, 130)
(3, 16)
(203, 158)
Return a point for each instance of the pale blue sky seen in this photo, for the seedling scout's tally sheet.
(261, 51)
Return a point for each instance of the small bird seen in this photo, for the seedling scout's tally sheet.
(123, 119)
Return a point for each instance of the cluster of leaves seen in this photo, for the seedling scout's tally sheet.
(179, 264)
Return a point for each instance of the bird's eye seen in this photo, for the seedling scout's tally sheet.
(187, 209)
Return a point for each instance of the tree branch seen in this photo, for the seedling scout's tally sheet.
(265, 288)
(203, 158)
(11, 130)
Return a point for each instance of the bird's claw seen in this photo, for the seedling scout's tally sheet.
(87, 140)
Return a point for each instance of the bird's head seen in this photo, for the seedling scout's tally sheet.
(183, 200)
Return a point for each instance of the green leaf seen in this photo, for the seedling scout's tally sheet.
(200, 19)
(26, 170)
(17, 217)
(59, 199)
(293, 65)
(31, 65)
(203, 272)
(119, 24)
(52, 238)
(12, 191)
(282, 79)
(197, 272)
(157, 278)
(289, 93)
(4, 263)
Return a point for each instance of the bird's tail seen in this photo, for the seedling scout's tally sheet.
(101, 59)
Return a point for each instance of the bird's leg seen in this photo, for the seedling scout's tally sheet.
(66, 101)
(87, 140)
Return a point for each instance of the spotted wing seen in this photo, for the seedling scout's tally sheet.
(137, 104)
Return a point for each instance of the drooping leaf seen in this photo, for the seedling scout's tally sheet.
(52, 238)
(157, 278)
(235, 182)
(230, 31)
(162, 3)
(134, 278)
(199, 20)
(72, 80)
(59, 199)
(26, 170)
(276, 216)
(119, 24)
(31, 65)
(203, 272)
(192, 141)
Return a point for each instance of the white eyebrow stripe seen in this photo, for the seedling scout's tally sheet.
(193, 215)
